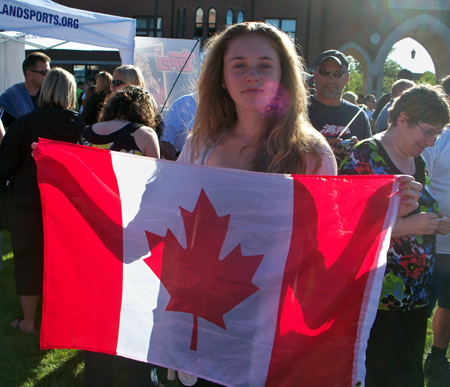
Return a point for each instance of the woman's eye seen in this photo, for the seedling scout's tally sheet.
(239, 66)
(266, 66)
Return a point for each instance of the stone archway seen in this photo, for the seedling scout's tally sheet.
(361, 55)
(429, 32)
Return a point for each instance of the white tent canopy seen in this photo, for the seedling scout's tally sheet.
(51, 20)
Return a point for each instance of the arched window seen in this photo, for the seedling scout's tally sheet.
(198, 29)
(230, 17)
(183, 23)
(240, 17)
(211, 22)
(178, 24)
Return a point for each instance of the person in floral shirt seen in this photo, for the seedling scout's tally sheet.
(397, 339)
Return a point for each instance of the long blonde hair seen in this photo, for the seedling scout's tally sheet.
(132, 75)
(103, 82)
(288, 135)
(58, 90)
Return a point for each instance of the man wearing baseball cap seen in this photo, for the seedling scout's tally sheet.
(328, 112)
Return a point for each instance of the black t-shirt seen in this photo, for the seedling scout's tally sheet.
(332, 120)
(382, 102)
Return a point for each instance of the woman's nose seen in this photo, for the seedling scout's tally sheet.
(252, 75)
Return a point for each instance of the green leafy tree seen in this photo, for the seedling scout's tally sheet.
(355, 83)
(427, 77)
(391, 69)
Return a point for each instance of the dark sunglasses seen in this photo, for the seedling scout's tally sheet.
(117, 83)
(336, 73)
(42, 72)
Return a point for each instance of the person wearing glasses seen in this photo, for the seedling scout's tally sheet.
(22, 97)
(328, 112)
(127, 75)
(395, 348)
(397, 89)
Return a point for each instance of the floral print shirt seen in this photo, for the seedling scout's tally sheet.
(410, 259)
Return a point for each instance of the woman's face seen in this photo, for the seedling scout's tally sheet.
(118, 82)
(418, 135)
(252, 72)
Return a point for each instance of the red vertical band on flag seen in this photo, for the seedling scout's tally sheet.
(84, 313)
(334, 247)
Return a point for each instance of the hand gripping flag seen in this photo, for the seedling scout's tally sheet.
(242, 278)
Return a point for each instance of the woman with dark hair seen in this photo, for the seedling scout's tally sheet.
(54, 119)
(95, 102)
(130, 122)
(397, 339)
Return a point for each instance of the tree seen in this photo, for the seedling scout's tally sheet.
(391, 69)
(427, 77)
(355, 83)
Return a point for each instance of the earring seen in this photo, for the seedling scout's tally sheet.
(224, 86)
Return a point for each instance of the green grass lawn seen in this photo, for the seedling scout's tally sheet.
(22, 363)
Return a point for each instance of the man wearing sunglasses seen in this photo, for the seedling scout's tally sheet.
(328, 112)
(22, 97)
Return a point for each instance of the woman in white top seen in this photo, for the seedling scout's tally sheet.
(252, 110)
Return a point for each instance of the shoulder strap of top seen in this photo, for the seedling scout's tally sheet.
(131, 127)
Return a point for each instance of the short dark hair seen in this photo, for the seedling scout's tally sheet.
(405, 74)
(32, 60)
(445, 83)
(422, 103)
(338, 56)
(398, 87)
(369, 97)
(133, 104)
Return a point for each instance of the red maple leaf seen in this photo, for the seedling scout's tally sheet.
(196, 279)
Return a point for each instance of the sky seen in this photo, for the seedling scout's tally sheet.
(402, 55)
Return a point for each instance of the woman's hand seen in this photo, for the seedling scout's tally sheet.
(33, 147)
(409, 192)
(423, 223)
(444, 225)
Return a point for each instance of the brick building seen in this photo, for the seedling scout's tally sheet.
(364, 29)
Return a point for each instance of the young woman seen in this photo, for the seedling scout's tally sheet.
(95, 102)
(252, 106)
(55, 119)
(252, 109)
(130, 122)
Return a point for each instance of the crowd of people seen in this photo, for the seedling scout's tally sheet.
(253, 111)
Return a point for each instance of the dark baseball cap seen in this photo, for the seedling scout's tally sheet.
(338, 56)
(405, 74)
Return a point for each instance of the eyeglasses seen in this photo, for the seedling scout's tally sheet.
(42, 72)
(336, 73)
(117, 83)
(428, 133)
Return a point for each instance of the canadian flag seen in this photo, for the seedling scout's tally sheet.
(242, 278)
